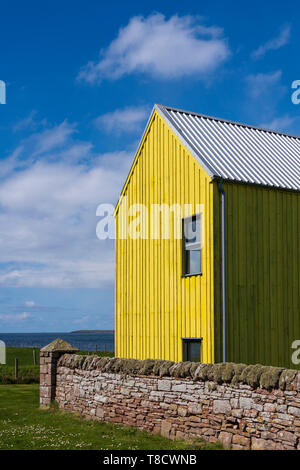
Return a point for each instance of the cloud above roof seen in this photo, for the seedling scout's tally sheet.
(129, 119)
(262, 84)
(49, 192)
(273, 44)
(163, 48)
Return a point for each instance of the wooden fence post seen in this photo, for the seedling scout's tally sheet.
(16, 367)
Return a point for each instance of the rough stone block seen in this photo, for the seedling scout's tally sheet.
(246, 403)
(250, 413)
(221, 406)
(237, 413)
(195, 408)
(294, 411)
(270, 407)
(180, 435)
(225, 438)
(258, 444)
(165, 428)
(241, 440)
(178, 387)
(182, 411)
(287, 436)
(164, 385)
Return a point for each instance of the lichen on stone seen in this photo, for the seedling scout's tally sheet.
(58, 345)
(90, 362)
(286, 378)
(77, 361)
(102, 362)
(217, 373)
(164, 369)
(193, 368)
(112, 365)
(73, 361)
(237, 372)
(122, 366)
(251, 375)
(181, 369)
(147, 367)
(269, 379)
(211, 387)
(131, 366)
(203, 372)
(224, 372)
(229, 371)
(210, 372)
(156, 366)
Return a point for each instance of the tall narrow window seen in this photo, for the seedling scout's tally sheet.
(192, 245)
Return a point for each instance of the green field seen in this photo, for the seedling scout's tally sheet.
(24, 355)
(24, 426)
(28, 373)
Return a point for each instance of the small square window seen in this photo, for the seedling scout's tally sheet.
(192, 349)
(191, 245)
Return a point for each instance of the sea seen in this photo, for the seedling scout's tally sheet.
(87, 341)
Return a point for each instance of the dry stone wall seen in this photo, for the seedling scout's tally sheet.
(243, 407)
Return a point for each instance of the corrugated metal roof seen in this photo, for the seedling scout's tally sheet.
(238, 152)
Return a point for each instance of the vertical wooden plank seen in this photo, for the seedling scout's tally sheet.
(157, 306)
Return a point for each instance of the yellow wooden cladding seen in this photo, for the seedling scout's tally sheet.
(154, 305)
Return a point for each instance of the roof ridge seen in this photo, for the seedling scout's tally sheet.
(228, 121)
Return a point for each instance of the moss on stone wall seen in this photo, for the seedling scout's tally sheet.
(254, 375)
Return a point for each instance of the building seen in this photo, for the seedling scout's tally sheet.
(232, 293)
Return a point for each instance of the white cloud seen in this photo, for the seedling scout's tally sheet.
(282, 123)
(30, 303)
(264, 93)
(82, 320)
(164, 49)
(51, 139)
(128, 119)
(24, 123)
(263, 84)
(48, 212)
(273, 44)
(57, 140)
(24, 315)
(29, 122)
(9, 318)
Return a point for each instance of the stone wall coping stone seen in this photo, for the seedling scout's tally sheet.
(59, 345)
(255, 376)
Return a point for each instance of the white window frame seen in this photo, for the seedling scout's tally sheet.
(191, 246)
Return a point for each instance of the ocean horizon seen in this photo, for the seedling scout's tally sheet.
(88, 341)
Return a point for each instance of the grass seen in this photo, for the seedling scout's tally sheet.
(23, 425)
(24, 355)
(28, 373)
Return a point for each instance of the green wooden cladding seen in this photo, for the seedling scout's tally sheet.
(262, 268)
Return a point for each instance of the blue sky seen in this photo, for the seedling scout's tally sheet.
(81, 81)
